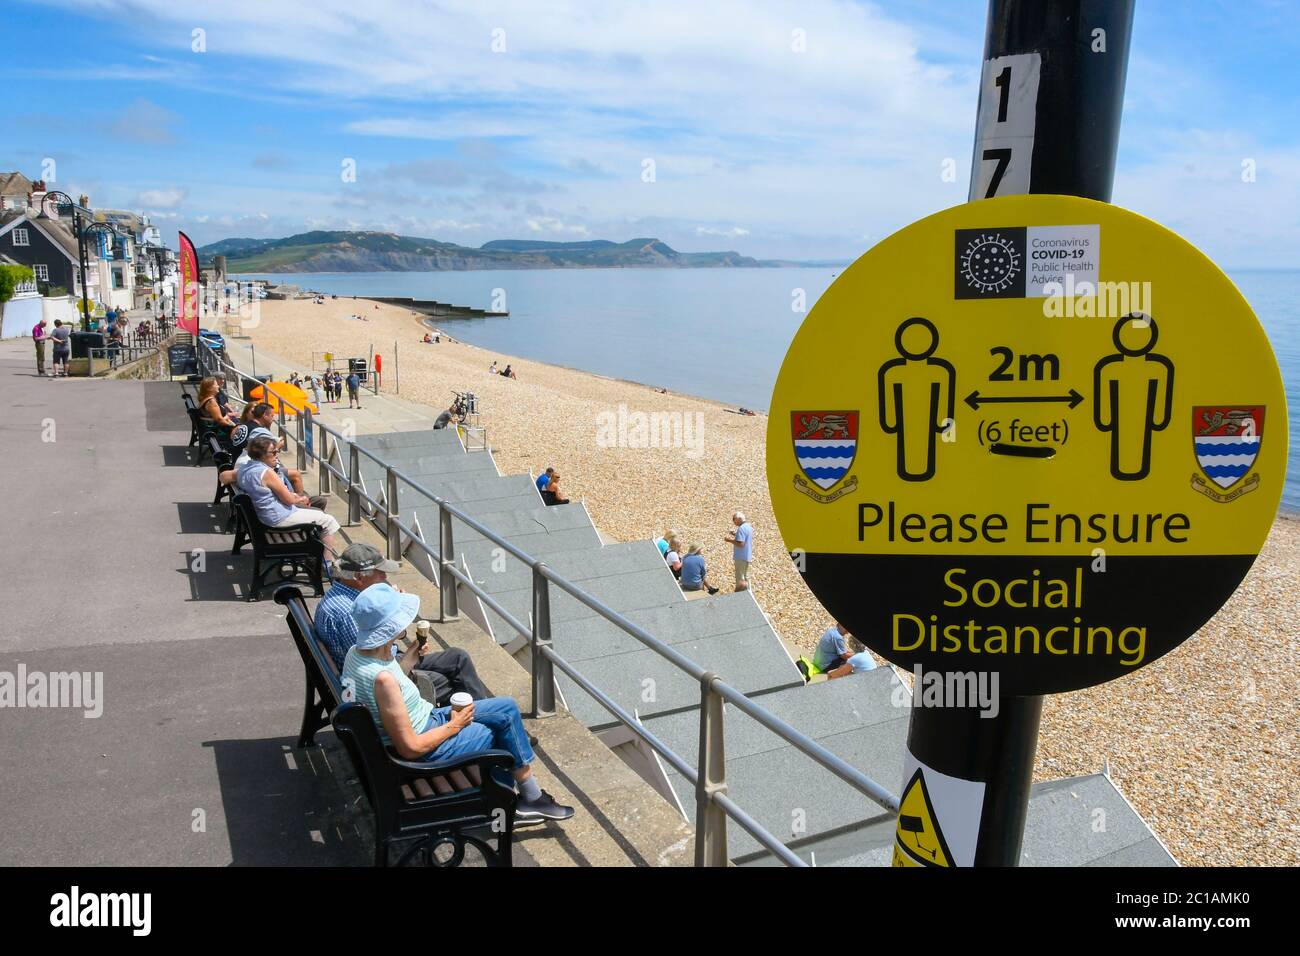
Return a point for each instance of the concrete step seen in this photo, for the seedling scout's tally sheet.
(672, 623)
(784, 790)
(417, 469)
(426, 437)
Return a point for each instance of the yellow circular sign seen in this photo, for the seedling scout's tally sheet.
(1027, 436)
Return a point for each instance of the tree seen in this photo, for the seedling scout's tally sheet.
(10, 276)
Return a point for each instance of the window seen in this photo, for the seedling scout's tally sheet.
(118, 280)
(42, 272)
(20, 237)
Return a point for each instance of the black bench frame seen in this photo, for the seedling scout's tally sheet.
(414, 801)
(298, 546)
(200, 428)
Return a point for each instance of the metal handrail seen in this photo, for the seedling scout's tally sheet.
(710, 788)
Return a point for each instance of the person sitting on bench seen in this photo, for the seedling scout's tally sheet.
(357, 568)
(259, 421)
(277, 505)
(210, 407)
(414, 727)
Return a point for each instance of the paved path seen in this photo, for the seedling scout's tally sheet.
(191, 761)
(378, 413)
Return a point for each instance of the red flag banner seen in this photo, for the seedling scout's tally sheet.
(187, 319)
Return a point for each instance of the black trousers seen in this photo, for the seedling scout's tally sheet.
(452, 671)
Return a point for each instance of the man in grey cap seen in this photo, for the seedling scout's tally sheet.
(356, 569)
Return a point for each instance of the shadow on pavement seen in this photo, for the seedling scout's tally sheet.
(284, 807)
(176, 455)
(201, 517)
(223, 576)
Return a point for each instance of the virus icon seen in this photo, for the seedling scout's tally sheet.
(990, 263)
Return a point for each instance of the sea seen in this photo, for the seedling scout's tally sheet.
(717, 333)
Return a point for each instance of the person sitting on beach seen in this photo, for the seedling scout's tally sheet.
(359, 567)
(662, 542)
(694, 575)
(210, 408)
(417, 729)
(551, 489)
(856, 664)
(509, 373)
(278, 506)
(428, 339)
(492, 369)
(832, 650)
(673, 557)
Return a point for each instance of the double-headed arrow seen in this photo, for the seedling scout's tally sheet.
(975, 399)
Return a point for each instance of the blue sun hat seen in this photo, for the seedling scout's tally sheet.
(381, 613)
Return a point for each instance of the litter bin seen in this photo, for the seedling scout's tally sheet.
(252, 383)
(83, 342)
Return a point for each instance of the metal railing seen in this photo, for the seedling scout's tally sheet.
(713, 804)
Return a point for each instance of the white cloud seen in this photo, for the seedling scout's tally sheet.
(553, 225)
(160, 198)
(735, 232)
(842, 141)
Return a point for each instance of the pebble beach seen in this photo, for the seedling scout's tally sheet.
(1202, 742)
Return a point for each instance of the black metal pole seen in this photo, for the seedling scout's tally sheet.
(1052, 84)
(85, 268)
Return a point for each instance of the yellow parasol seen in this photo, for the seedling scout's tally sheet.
(294, 398)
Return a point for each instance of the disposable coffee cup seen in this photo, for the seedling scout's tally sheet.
(460, 700)
(422, 629)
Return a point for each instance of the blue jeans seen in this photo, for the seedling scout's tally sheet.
(496, 726)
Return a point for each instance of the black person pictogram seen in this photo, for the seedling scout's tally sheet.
(916, 397)
(1134, 395)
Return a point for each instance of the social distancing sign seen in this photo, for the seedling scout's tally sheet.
(1036, 435)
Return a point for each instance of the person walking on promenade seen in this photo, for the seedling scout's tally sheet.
(742, 541)
(354, 385)
(38, 336)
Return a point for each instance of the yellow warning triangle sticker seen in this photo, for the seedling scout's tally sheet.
(918, 841)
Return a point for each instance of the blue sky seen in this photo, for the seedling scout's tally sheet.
(756, 147)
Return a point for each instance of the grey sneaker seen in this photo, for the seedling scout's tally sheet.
(543, 808)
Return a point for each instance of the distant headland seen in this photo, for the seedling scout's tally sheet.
(388, 252)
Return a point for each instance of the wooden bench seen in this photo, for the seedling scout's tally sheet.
(296, 546)
(426, 805)
(200, 428)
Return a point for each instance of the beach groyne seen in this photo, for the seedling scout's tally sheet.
(443, 310)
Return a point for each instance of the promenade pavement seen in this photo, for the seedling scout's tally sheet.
(191, 760)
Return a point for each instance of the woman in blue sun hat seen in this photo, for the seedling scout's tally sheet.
(417, 729)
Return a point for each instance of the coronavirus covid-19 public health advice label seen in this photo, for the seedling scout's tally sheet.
(1035, 435)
